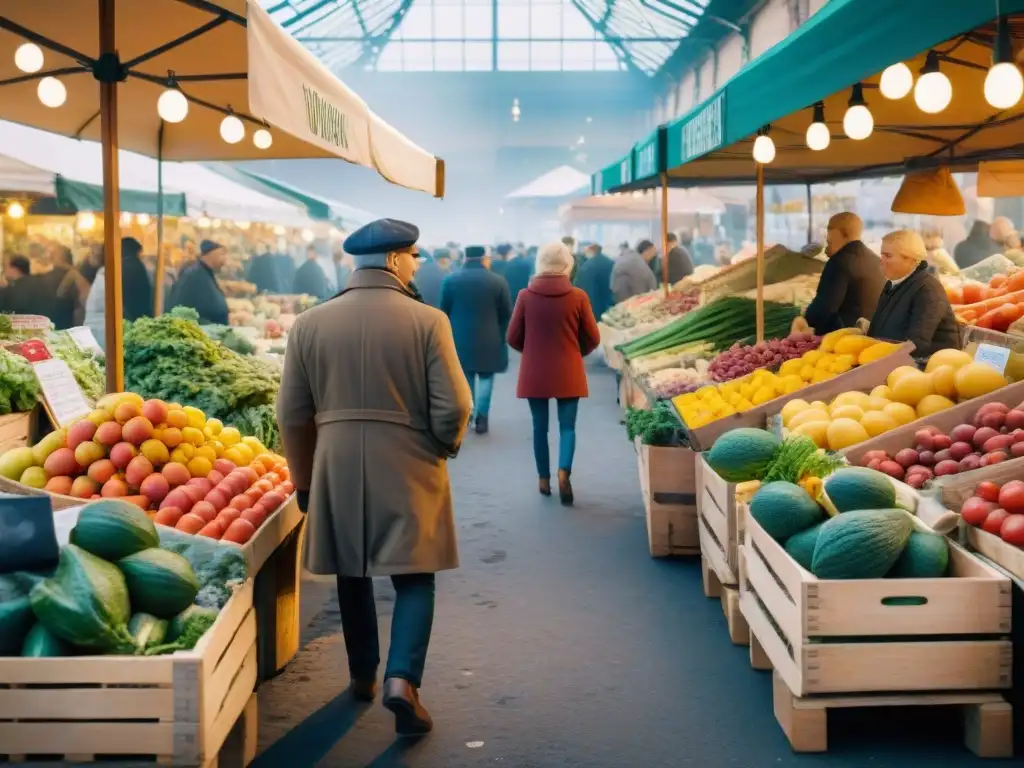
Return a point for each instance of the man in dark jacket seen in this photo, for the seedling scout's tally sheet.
(913, 306)
(518, 272)
(499, 261)
(851, 281)
(680, 264)
(430, 275)
(479, 306)
(262, 271)
(595, 278)
(310, 278)
(197, 286)
(136, 287)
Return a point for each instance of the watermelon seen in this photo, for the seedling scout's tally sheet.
(742, 454)
(861, 544)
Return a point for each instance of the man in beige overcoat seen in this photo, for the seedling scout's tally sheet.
(373, 403)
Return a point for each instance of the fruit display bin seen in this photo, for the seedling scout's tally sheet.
(840, 636)
(720, 526)
(668, 487)
(178, 709)
(862, 377)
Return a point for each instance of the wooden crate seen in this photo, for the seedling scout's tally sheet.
(864, 376)
(818, 633)
(739, 632)
(178, 708)
(275, 529)
(667, 484)
(720, 526)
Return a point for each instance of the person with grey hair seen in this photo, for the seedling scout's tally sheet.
(310, 278)
(372, 405)
(553, 326)
(632, 273)
(913, 305)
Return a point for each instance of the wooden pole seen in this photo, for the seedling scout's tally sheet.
(810, 215)
(664, 233)
(760, 252)
(111, 209)
(158, 275)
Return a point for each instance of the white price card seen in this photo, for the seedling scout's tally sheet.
(64, 397)
(84, 340)
(989, 354)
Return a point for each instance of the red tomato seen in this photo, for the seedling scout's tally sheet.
(240, 531)
(975, 510)
(987, 490)
(994, 522)
(1012, 531)
(1011, 497)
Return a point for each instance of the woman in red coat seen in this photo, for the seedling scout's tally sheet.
(554, 327)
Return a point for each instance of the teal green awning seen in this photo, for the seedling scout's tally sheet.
(649, 155)
(849, 42)
(317, 208)
(82, 196)
(613, 176)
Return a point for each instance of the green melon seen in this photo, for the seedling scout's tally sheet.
(926, 556)
(859, 488)
(861, 544)
(42, 643)
(784, 509)
(113, 528)
(800, 546)
(742, 454)
(159, 582)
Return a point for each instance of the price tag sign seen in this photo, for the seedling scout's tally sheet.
(84, 340)
(30, 323)
(997, 357)
(63, 395)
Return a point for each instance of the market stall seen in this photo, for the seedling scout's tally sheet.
(785, 527)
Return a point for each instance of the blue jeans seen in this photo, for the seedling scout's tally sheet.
(481, 385)
(410, 626)
(567, 408)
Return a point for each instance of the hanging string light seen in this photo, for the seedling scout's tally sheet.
(172, 106)
(933, 91)
(16, 210)
(231, 129)
(51, 92)
(28, 58)
(262, 139)
(1004, 84)
(897, 81)
(764, 147)
(818, 136)
(858, 122)
(142, 219)
(516, 112)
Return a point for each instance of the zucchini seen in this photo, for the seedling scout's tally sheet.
(147, 630)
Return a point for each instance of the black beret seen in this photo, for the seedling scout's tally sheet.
(208, 245)
(475, 251)
(382, 236)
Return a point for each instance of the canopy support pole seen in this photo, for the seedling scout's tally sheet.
(111, 207)
(810, 215)
(158, 276)
(760, 252)
(664, 233)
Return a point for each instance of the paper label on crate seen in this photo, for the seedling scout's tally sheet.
(30, 322)
(64, 397)
(989, 354)
(84, 340)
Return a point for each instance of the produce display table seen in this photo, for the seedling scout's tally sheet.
(178, 709)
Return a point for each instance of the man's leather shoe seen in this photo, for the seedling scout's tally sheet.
(402, 698)
(482, 425)
(364, 690)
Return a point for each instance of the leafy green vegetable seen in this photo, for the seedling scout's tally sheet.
(194, 622)
(219, 567)
(261, 423)
(657, 426)
(230, 338)
(19, 387)
(797, 457)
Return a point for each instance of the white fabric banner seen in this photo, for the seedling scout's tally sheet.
(292, 90)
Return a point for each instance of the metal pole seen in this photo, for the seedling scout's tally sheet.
(111, 208)
(810, 215)
(158, 276)
(760, 252)
(664, 233)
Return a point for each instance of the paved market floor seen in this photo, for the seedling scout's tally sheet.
(560, 643)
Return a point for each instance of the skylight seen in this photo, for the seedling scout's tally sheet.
(490, 35)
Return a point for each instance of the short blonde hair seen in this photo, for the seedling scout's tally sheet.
(554, 259)
(908, 243)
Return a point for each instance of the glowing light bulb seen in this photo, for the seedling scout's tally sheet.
(28, 57)
(243, 225)
(896, 82)
(818, 136)
(1004, 85)
(216, 223)
(933, 92)
(232, 130)
(126, 219)
(172, 106)
(858, 122)
(203, 223)
(279, 230)
(16, 210)
(142, 219)
(86, 221)
(764, 149)
(262, 139)
(308, 236)
(52, 92)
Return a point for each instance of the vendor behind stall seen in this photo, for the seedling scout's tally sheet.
(913, 305)
(851, 281)
(197, 286)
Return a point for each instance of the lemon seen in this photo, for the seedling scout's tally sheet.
(196, 418)
(213, 427)
(229, 436)
(193, 435)
(206, 452)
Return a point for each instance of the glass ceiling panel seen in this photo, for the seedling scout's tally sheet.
(484, 35)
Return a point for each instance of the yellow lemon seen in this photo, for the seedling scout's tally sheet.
(217, 446)
(254, 443)
(183, 453)
(882, 390)
(229, 436)
(196, 418)
(848, 412)
(898, 373)
(200, 466)
(791, 409)
(206, 452)
(213, 427)
(842, 433)
(809, 415)
(816, 430)
(877, 422)
(901, 413)
(246, 452)
(193, 435)
(807, 372)
(763, 395)
(791, 384)
(876, 403)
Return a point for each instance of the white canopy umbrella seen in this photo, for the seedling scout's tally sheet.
(559, 182)
(194, 80)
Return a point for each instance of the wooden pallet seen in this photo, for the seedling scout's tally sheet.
(720, 528)
(739, 632)
(667, 486)
(836, 637)
(176, 709)
(988, 718)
